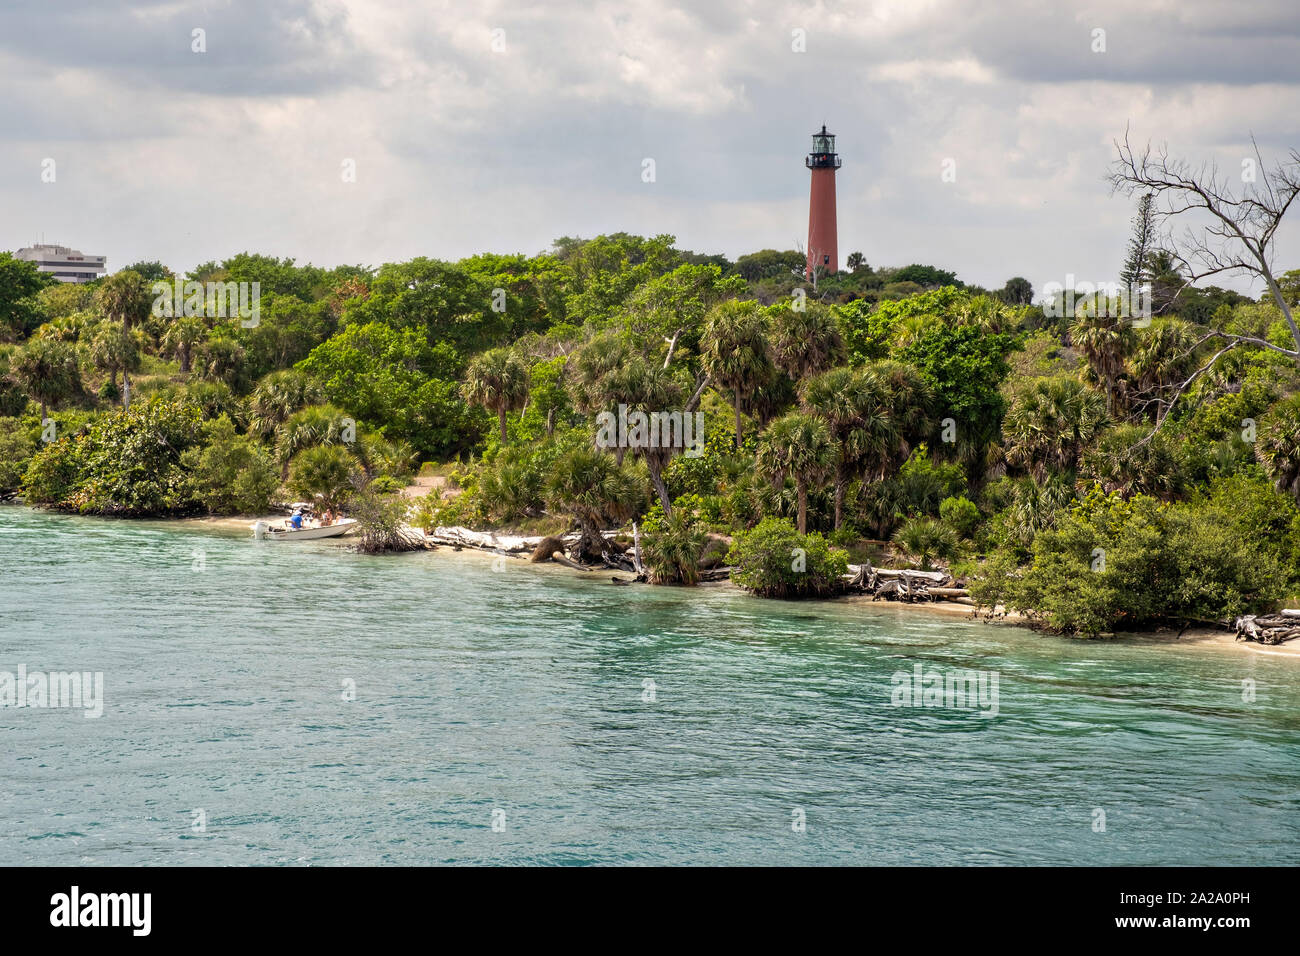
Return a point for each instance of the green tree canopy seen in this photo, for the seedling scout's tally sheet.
(20, 311)
(394, 380)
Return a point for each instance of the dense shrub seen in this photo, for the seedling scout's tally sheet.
(513, 486)
(382, 521)
(326, 474)
(127, 464)
(775, 560)
(1110, 564)
(52, 473)
(17, 447)
(924, 540)
(671, 548)
(960, 514)
(231, 474)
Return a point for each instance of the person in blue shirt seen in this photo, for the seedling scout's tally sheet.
(295, 522)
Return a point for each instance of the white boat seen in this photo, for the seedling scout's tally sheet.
(263, 530)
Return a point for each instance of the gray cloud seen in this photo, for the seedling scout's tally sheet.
(288, 48)
(168, 154)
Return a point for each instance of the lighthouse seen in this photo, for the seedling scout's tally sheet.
(823, 240)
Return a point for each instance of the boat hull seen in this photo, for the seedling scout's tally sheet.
(336, 530)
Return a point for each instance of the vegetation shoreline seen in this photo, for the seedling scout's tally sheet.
(1217, 638)
(1093, 470)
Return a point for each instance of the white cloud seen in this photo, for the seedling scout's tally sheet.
(165, 154)
(919, 72)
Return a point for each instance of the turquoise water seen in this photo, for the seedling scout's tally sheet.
(522, 691)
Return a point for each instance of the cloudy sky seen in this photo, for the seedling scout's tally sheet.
(499, 126)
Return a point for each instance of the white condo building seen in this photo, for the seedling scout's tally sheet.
(66, 265)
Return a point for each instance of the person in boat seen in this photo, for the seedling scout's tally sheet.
(327, 519)
(295, 522)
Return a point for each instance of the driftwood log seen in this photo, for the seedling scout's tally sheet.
(949, 593)
(889, 584)
(1269, 628)
(485, 540)
(559, 557)
(536, 548)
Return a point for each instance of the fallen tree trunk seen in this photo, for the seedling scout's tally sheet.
(537, 548)
(486, 540)
(561, 558)
(935, 577)
(903, 584)
(950, 593)
(1268, 628)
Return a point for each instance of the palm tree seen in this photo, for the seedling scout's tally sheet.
(595, 361)
(1277, 444)
(307, 428)
(67, 328)
(124, 297)
(986, 312)
(46, 369)
(806, 342)
(221, 359)
(1050, 422)
(874, 413)
(735, 352)
(112, 350)
(772, 397)
(378, 455)
(498, 381)
(184, 333)
(1105, 342)
(910, 401)
(277, 396)
(797, 445)
(1121, 461)
(590, 486)
(103, 343)
(1161, 357)
(325, 473)
(648, 387)
(512, 488)
(925, 538)
(845, 399)
(1035, 505)
(671, 552)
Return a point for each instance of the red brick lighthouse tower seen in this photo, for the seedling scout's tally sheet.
(823, 240)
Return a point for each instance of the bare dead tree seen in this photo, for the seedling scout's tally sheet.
(1225, 232)
(818, 270)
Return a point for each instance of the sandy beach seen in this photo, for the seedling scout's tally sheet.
(240, 523)
(1210, 638)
